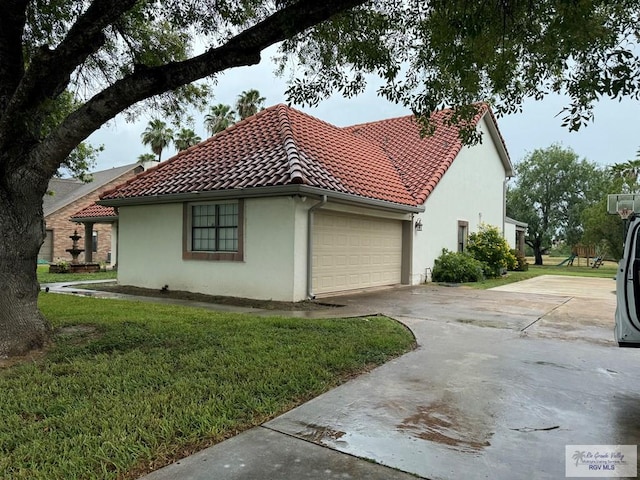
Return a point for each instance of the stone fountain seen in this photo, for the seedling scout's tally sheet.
(75, 266)
(74, 250)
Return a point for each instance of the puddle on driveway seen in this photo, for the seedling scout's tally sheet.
(318, 433)
(443, 424)
(550, 364)
(483, 323)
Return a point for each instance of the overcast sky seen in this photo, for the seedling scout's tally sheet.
(611, 138)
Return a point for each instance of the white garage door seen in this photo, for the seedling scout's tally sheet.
(355, 251)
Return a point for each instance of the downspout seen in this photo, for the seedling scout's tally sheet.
(504, 207)
(320, 204)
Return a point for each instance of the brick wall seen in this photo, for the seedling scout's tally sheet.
(58, 222)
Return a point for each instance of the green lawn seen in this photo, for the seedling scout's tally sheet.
(608, 271)
(45, 277)
(129, 386)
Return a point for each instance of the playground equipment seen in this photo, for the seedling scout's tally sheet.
(578, 252)
(569, 260)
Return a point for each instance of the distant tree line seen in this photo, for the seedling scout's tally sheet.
(563, 199)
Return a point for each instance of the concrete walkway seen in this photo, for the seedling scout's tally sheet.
(501, 382)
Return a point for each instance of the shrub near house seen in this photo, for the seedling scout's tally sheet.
(489, 247)
(487, 256)
(457, 267)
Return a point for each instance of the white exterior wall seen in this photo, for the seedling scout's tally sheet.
(114, 244)
(472, 190)
(274, 266)
(510, 234)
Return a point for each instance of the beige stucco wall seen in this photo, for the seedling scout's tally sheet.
(274, 266)
(472, 190)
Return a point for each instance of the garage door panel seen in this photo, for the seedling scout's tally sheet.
(355, 252)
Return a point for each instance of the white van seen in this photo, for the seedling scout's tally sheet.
(627, 329)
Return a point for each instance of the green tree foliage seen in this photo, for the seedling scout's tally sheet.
(489, 247)
(602, 229)
(186, 138)
(551, 189)
(80, 161)
(629, 175)
(82, 158)
(125, 56)
(521, 261)
(249, 103)
(456, 267)
(467, 51)
(146, 157)
(157, 135)
(219, 118)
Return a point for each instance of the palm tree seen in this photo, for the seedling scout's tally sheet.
(249, 103)
(628, 171)
(219, 118)
(146, 157)
(158, 136)
(186, 138)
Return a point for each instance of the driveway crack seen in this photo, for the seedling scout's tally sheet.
(531, 429)
(547, 313)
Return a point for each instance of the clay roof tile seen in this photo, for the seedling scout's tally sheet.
(386, 160)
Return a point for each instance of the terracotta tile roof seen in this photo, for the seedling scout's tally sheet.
(386, 160)
(95, 211)
(421, 161)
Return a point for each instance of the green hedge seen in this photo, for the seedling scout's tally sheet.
(457, 267)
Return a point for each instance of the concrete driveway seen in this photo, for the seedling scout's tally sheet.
(501, 382)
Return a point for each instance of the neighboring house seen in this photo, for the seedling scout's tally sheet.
(515, 233)
(285, 206)
(65, 197)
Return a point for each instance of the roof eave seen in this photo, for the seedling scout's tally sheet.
(498, 141)
(110, 219)
(257, 192)
(515, 222)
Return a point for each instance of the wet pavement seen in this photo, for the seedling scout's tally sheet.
(501, 382)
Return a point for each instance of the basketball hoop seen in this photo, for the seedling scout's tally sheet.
(624, 204)
(624, 213)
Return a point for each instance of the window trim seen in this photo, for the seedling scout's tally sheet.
(188, 254)
(465, 225)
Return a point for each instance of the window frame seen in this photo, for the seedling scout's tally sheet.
(187, 231)
(463, 226)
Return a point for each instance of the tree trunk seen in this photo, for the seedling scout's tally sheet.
(537, 253)
(22, 326)
(536, 245)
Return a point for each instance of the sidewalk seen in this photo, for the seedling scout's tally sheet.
(264, 454)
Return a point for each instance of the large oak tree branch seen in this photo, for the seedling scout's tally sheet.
(12, 23)
(241, 50)
(50, 71)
